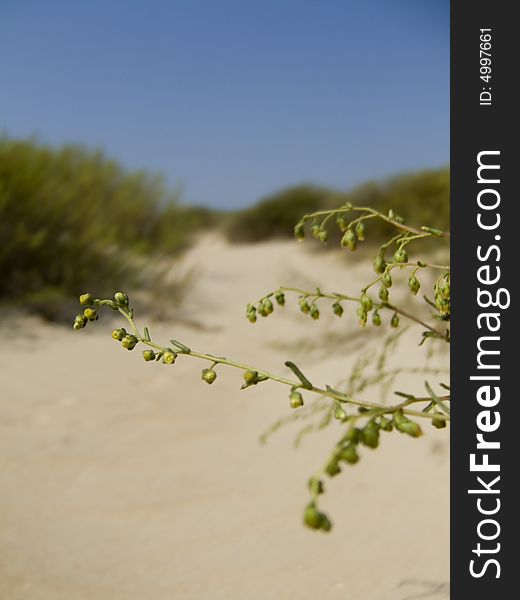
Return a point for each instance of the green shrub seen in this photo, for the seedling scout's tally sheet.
(422, 197)
(70, 218)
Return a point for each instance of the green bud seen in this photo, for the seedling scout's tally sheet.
(315, 230)
(332, 469)
(379, 264)
(250, 377)
(342, 223)
(349, 240)
(267, 306)
(299, 231)
(413, 284)
(79, 322)
(443, 285)
(376, 319)
(366, 303)
(385, 424)
(353, 435)
(323, 235)
(312, 517)
(314, 311)
(251, 314)
(438, 421)
(394, 322)
(129, 342)
(401, 256)
(383, 294)
(86, 299)
(316, 486)
(360, 231)
(349, 454)
(148, 355)
(304, 306)
(208, 375)
(362, 316)
(169, 357)
(337, 309)
(295, 399)
(339, 412)
(386, 280)
(91, 314)
(280, 298)
(325, 524)
(119, 334)
(370, 434)
(121, 299)
(404, 425)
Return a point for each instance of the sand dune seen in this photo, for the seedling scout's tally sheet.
(123, 480)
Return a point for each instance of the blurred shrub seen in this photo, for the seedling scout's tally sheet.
(71, 219)
(276, 215)
(421, 197)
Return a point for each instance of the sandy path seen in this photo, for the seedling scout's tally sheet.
(125, 480)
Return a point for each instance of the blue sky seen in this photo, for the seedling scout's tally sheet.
(233, 99)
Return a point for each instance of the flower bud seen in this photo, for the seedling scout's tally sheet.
(360, 231)
(325, 524)
(251, 377)
(385, 424)
(353, 435)
(280, 298)
(251, 314)
(323, 235)
(86, 299)
(316, 486)
(304, 306)
(349, 240)
(299, 231)
(386, 280)
(332, 469)
(379, 264)
(169, 357)
(370, 434)
(401, 256)
(312, 517)
(342, 223)
(376, 319)
(383, 294)
(148, 355)
(267, 307)
(129, 342)
(413, 284)
(79, 322)
(339, 412)
(365, 302)
(349, 454)
(315, 230)
(119, 334)
(91, 314)
(438, 421)
(337, 309)
(394, 322)
(314, 311)
(208, 375)
(295, 399)
(121, 299)
(362, 316)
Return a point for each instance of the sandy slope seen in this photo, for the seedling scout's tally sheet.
(125, 480)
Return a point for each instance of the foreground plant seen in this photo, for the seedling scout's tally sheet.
(363, 422)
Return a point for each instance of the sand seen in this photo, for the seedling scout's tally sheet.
(123, 480)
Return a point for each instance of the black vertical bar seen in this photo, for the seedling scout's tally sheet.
(484, 119)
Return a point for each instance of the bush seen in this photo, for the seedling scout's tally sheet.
(422, 197)
(71, 218)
